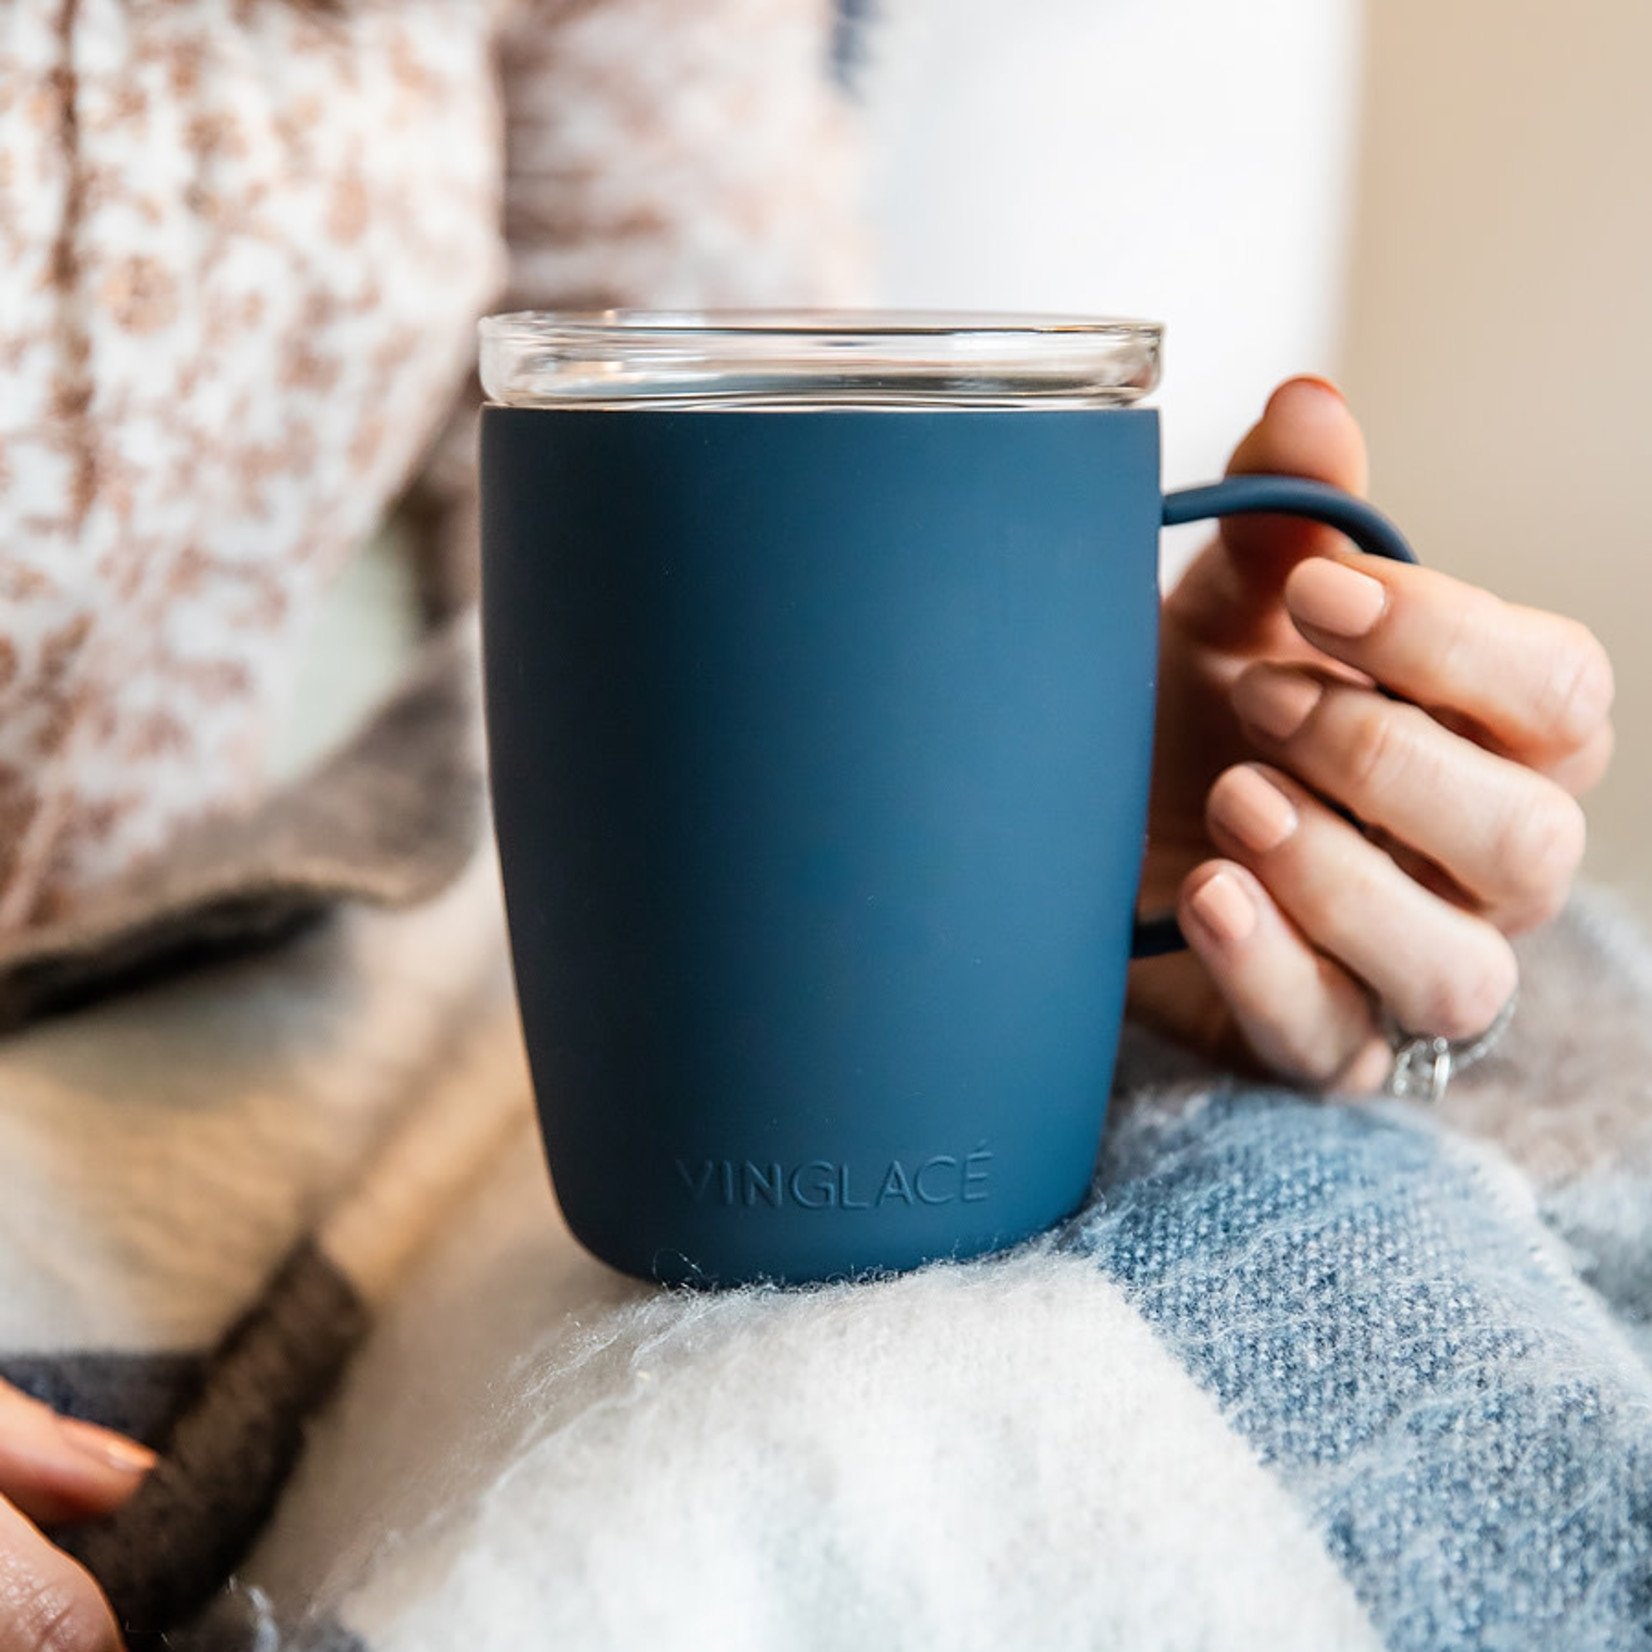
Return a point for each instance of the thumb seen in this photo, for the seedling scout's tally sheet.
(46, 1599)
(1231, 595)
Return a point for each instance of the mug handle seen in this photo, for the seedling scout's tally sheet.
(1273, 496)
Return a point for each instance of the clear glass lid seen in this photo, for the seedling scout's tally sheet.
(799, 359)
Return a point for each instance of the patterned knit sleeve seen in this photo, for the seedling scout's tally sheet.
(659, 154)
(670, 155)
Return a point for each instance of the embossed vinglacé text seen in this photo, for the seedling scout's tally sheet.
(830, 1184)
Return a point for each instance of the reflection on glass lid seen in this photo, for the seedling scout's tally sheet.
(808, 358)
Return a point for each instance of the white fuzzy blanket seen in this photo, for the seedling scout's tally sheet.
(1304, 1376)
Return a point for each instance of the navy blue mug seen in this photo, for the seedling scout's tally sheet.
(820, 661)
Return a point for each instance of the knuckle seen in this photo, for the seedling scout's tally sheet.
(1321, 1064)
(1462, 1002)
(1581, 770)
(1376, 746)
(1539, 852)
(1305, 1050)
(1363, 1072)
(1578, 686)
(1468, 616)
(1316, 1047)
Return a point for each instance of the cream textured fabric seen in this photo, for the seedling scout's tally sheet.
(257, 1087)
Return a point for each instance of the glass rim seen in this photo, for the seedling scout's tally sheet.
(808, 357)
(634, 323)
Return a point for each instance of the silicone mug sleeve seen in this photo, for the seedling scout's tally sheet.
(1273, 496)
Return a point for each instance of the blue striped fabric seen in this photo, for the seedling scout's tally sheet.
(1377, 1310)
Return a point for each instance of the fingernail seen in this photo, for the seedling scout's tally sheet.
(109, 1448)
(1319, 381)
(1225, 908)
(1316, 380)
(1247, 804)
(1275, 700)
(1331, 596)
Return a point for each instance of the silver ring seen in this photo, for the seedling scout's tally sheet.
(1424, 1066)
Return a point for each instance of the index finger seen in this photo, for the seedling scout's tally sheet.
(1229, 597)
(1538, 683)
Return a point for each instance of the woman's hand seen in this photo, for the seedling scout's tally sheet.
(1301, 682)
(55, 1469)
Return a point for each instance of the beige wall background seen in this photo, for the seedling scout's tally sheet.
(1498, 338)
(1447, 204)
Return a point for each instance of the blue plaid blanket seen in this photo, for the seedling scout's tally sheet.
(1376, 1308)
